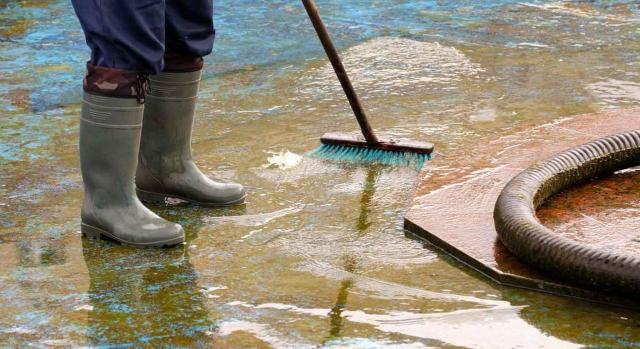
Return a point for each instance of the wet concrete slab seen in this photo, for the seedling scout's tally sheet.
(454, 202)
(610, 204)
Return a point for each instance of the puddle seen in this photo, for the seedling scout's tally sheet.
(395, 66)
(255, 220)
(616, 92)
(486, 328)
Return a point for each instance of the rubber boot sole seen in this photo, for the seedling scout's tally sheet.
(162, 199)
(94, 233)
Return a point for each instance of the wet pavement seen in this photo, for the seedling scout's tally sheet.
(318, 257)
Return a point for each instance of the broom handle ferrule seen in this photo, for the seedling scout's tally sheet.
(338, 67)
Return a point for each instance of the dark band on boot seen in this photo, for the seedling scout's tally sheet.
(178, 63)
(116, 82)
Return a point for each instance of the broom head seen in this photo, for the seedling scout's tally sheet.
(353, 147)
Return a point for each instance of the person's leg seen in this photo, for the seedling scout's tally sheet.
(126, 42)
(126, 39)
(166, 169)
(190, 34)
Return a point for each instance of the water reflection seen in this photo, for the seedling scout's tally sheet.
(146, 297)
(350, 262)
(42, 252)
(559, 320)
(365, 201)
(335, 315)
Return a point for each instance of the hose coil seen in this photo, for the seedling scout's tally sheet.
(522, 233)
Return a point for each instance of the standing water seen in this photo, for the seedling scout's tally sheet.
(318, 256)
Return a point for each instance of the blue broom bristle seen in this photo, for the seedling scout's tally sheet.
(370, 155)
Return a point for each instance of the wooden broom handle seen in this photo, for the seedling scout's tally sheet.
(338, 67)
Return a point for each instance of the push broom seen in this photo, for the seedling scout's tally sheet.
(353, 147)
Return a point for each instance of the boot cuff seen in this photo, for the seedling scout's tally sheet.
(113, 82)
(177, 63)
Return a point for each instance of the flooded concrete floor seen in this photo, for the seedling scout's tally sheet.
(318, 256)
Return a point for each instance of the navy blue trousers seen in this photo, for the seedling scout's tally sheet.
(136, 35)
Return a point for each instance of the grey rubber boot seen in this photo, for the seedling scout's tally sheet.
(110, 131)
(166, 169)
